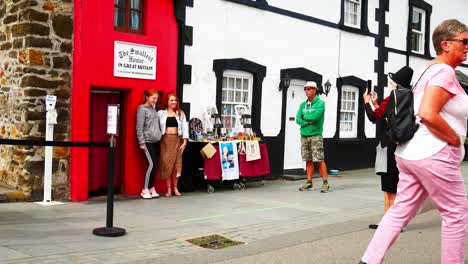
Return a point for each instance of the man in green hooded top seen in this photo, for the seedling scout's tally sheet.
(310, 117)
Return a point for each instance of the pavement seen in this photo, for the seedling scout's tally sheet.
(275, 222)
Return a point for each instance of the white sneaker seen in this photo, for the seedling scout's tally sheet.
(153, 192)
(145, 193)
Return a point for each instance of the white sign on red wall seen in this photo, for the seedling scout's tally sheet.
(134, 60)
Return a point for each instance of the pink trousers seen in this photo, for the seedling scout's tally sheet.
(438, 177)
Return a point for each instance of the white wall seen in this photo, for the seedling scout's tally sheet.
(397, 18)
(314, 8)
(224, 30)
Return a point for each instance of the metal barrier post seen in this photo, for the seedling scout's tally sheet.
(109, 230)
(112, 130)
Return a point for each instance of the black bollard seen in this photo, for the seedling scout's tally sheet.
(109, 230)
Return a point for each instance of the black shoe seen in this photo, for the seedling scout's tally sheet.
(362, 262)
(373, 226)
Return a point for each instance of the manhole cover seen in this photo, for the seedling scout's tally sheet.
(214, 242)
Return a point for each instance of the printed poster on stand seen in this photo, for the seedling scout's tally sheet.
(229, 161)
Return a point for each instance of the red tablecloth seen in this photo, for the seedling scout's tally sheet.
(254, 168)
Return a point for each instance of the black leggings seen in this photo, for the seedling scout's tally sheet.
(152, 155)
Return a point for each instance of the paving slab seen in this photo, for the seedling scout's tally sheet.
(9, 254)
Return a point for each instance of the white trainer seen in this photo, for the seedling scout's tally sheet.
(153, 192)
(145, 193)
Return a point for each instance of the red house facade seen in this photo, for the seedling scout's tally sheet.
(97, 26)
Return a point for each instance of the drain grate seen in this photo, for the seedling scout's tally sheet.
(214, 242)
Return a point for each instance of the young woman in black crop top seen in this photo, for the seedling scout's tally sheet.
(173, 142)
(171, 121)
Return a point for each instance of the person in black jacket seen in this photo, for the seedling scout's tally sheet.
(389, 179)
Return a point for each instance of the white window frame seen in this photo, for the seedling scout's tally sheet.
(232, 87)
(418, 33)
(350, 15)
(348, 128)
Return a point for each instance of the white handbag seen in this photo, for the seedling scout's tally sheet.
(380, 159)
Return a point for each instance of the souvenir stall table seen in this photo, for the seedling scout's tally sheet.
(199, 172)
(247, 169)
(230, 165)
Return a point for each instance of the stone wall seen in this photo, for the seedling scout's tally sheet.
(35, 60)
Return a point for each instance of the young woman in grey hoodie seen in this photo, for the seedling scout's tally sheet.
(149, 133)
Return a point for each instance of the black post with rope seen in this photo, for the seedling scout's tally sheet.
(110, 230)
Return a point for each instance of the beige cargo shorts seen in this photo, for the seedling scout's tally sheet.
(312, 148)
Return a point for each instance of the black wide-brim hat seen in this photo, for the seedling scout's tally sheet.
(403, 76)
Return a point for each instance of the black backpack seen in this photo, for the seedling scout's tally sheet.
(399, 114)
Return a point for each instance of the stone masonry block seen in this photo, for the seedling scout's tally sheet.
(63, 62)
(13, 54)
(66, 76)
(31, 42)
(35, 167)
(19, 6)
(18, 43)
(63, 93)
(10, 19)
(66, 47)
(23, 57)
(26, 29)
(6, 46)
(36, 57)
(34, 70)
(34, 92)
(34, 81)
(31, 57)
(63, 116)
(33, 15)
(63, 26)
(49, 6)
(33, 116)
(14, 132)
(61, 128)
(61, 152)
(53, 73)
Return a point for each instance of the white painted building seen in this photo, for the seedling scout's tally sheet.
(239, 51)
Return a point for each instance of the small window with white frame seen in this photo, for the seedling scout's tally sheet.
(352, 13)
(417, 30)
(236, 90)
(349, 112)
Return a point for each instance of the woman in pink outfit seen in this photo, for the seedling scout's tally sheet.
(429, 163)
